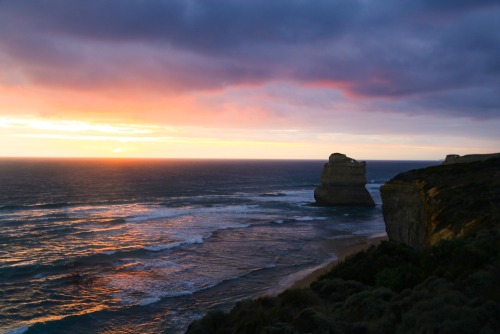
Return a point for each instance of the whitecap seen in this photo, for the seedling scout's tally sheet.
(159, 296)
(18, 330)
(197, 239)
(289, 196)
(307, 218)
(233, 226)
(150, 300)
(156, 213)
(158, 248)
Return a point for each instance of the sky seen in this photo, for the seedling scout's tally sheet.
(269, 79)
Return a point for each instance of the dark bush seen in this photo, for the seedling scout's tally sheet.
(336, 290)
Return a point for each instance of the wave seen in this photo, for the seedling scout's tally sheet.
(286, 196)
(109, 252)
(108, 255)
(59, 205)
(197, 239)
(278, 194)
(160, 294)
(154, 212)
(305, 219)
(39, 206)
(233, 226)
(298, 219)
(18, 330)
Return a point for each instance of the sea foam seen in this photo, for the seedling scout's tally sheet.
(18, 330)
(197, 239)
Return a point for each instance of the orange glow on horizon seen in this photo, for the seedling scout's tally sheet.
(239, 122)
(42, 137)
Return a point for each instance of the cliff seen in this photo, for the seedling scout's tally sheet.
(343, 183)
(456, 159)
(422, 207)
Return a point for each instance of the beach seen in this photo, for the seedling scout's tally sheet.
(344, 249)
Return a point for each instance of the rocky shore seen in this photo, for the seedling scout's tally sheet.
(438, 273)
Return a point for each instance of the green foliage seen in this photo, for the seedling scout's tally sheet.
(391, 265)
(336, 289)
(313, 321)
(459, 258)
(437, 306)
(399, 277)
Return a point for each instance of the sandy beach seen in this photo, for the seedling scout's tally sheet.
(343, 249)
(343, 253)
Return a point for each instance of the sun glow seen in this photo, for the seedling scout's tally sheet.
(72, 126)
(37, 136)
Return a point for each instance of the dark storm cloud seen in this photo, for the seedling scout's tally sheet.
(202, 25)
(444, 55)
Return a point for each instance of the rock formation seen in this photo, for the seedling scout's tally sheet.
(424, 206)
(456, 159)
(343, 183)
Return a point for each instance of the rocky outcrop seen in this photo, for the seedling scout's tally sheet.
(343, 183)
(456, 159)
(422, 207)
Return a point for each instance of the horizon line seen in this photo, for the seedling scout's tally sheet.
(192, 158)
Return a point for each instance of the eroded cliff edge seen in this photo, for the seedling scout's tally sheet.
(422, 207)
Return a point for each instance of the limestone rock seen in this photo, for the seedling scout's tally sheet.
(422, 207)
(456, 159)
(343, 183)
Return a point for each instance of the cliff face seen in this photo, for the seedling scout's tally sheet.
(422, 207)
(343, 183)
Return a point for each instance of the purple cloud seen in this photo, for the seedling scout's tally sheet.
(443, 56)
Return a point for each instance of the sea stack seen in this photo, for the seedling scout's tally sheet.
(343, 183)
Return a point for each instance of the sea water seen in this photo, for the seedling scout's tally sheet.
(148, 246)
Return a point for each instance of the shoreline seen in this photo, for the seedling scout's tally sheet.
(342, 249)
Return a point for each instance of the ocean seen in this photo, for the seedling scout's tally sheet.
(148, 246)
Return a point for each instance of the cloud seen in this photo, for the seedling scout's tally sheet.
(443, 56)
